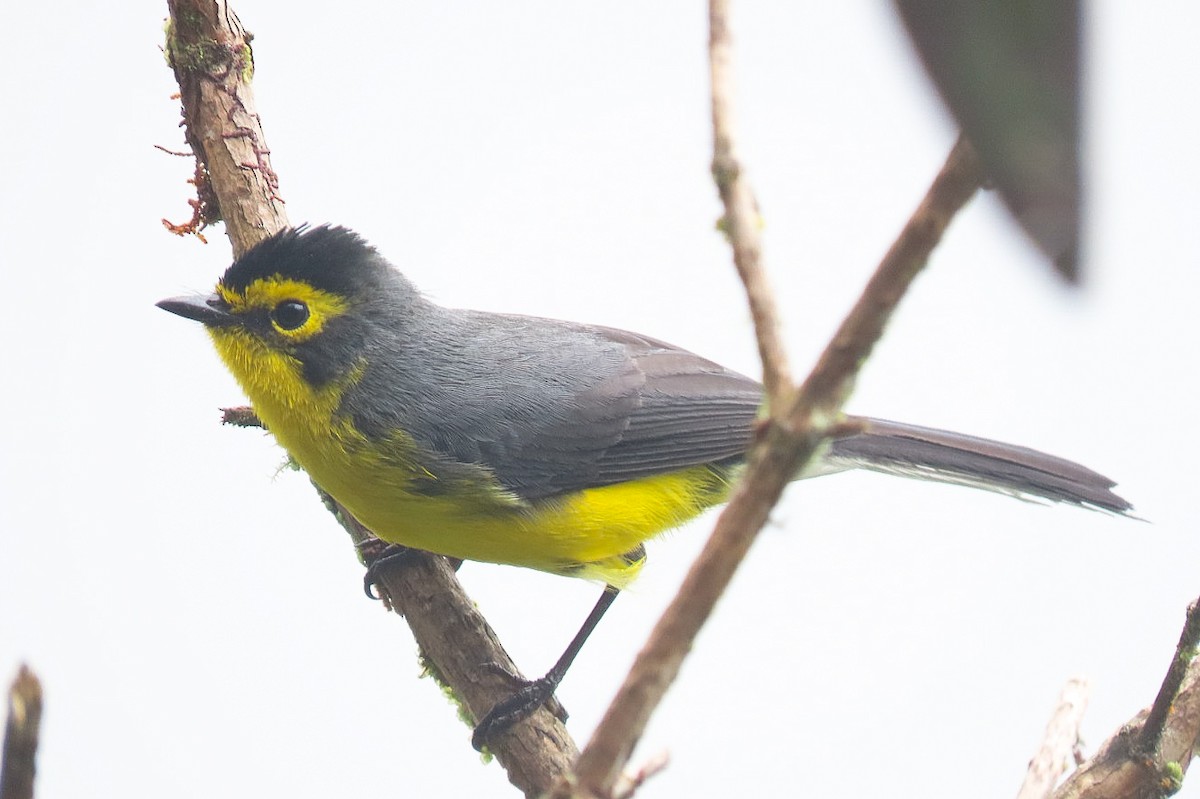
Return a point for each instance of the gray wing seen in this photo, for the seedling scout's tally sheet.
(545, 408)
(690, 411)
(662, 409)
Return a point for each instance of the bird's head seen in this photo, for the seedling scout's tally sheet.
(297, 312)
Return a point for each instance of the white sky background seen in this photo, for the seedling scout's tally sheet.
(197, 619)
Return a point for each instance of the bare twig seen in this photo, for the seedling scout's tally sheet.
(831, 380)
(241, 416)
(1058, 743)
(627, 787)
(210, 53)
(18, 764)
(780, 452)
(1124, 768)
(741, 219)
(784, 445)
(1185, 653)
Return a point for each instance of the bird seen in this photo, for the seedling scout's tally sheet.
(536, 442)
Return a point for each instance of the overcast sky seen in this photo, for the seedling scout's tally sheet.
(197, 618)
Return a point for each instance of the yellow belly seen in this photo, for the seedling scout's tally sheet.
(585, 534)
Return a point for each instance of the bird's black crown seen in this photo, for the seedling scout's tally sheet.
(327, 257)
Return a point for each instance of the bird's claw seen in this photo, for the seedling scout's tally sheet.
(521, 705)
(500, 670)
(392, 554)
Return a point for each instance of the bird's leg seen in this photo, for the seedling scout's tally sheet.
(534, 693)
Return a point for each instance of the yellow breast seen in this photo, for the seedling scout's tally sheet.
(585, 534)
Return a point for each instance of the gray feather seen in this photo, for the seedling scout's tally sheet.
(539, 408)
(549, 407)
(942, 456)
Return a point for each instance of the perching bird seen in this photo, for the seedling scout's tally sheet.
(513, 439)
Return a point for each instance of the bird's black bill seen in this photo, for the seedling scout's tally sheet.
(211, 311)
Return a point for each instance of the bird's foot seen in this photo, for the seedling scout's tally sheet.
(523, 703)
(390, 555)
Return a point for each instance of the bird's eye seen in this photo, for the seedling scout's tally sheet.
(290, 314)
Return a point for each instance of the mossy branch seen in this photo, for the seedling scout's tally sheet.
(210, 52)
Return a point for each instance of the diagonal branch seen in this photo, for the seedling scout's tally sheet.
(829, 384)
(1149, 755)
(459, 643)
(210, 53)
(741, 219)
(788, 439)
(1185, 652)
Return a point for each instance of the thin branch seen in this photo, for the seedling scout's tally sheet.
(1058, 742)
(741, 219)
(1124, 768)
(1185, 653)
(210, 53)
(832, 379)
(18, 763)
(462, 652)
(781, 450)
(629, 784)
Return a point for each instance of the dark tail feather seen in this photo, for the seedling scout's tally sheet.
(937, 455)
